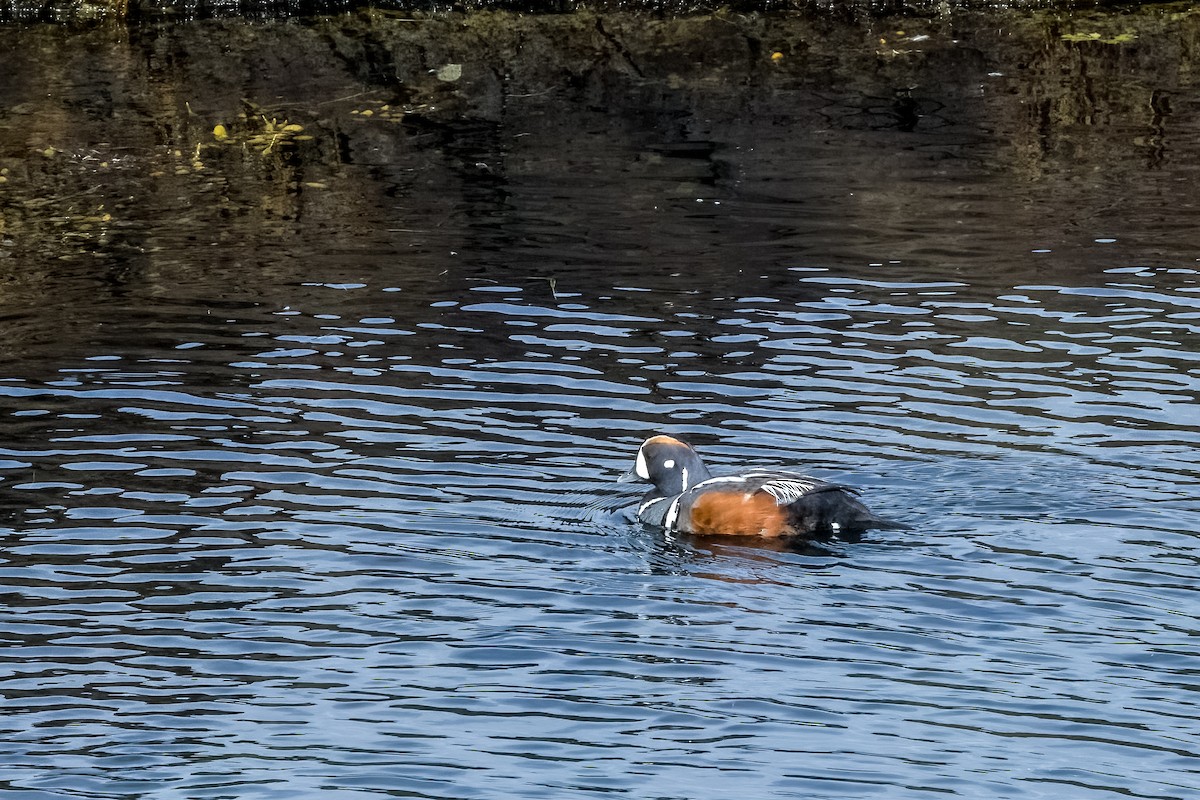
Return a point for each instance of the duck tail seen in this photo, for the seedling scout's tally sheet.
(871, 521)
(834, 510)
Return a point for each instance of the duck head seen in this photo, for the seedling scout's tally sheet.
(671, 465)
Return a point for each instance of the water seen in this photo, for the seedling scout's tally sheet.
(308, 476)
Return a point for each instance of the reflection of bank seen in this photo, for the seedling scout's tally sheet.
(514, 121)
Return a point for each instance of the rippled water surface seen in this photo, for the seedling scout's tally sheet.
(308, 470)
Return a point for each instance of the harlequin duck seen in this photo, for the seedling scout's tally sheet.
(758, 502)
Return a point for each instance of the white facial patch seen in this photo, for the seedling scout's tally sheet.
(640, 468)
(669, 463)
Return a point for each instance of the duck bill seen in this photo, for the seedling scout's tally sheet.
(629, 477)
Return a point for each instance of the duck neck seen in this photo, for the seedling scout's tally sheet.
(691, 472)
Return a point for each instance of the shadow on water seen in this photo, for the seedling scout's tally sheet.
(326, 338)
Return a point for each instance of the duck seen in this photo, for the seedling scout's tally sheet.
(765, 503)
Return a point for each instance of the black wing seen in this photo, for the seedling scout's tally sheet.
(788, 487)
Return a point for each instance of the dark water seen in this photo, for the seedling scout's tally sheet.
(309, 443)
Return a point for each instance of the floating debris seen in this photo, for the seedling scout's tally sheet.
(1120, 38)
(449, 73)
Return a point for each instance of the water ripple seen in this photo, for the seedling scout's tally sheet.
(334, 513)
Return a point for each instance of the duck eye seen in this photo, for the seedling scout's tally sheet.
(669, 463)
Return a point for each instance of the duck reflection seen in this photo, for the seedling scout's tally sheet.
(726, 558)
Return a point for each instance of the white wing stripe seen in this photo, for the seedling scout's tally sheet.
(672, 513)
(721, 479)
(788, 491)
(649, 503)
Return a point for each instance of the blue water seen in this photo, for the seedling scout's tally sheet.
(325, 507)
